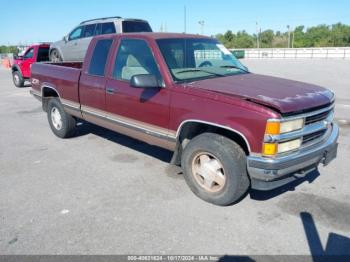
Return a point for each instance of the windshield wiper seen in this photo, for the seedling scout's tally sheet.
(236, 67)
(198, 70)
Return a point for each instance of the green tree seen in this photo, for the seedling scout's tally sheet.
(266, 38)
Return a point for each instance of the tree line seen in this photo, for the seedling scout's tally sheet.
(8, 49)
(337, 35)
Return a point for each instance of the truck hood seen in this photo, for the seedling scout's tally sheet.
(286, 96)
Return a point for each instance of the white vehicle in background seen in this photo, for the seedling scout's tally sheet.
(74, 45)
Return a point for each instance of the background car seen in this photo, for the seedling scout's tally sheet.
(22, 64)
(73, 46)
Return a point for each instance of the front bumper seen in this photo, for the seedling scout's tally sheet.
(269, 173)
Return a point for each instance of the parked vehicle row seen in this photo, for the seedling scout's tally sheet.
(229, 129)
(73, 46)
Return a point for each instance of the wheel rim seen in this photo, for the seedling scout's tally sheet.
(16, 78)
(208, 172)
(54, 56)
(56, 118)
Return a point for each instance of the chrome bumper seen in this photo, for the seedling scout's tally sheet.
(270, 173)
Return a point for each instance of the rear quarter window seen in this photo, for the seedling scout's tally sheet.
(99, 57)
(136, 26)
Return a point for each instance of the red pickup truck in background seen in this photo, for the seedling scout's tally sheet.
(21, 64)
(229, 129)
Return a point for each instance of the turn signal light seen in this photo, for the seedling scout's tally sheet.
(270, 149)
(273, 128)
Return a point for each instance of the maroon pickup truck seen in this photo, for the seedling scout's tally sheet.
(230, 130)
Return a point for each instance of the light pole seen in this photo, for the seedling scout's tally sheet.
(201, 23)
(288, 27)
(257, 36)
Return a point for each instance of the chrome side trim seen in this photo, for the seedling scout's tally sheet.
(70, 104)
(126, 124)
(212, 124)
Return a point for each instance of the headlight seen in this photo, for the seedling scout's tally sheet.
(275, 127)
(272, 149)
(289, 146)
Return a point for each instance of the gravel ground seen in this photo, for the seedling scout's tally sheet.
(104, 193)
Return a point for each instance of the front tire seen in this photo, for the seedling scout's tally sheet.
(17, 79)
(62, 124)
(215, 169)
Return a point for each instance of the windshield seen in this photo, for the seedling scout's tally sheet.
(196, 59)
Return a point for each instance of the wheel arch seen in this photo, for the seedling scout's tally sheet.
(58, 50)
(48, 92)
(188, 129)
(16, 68)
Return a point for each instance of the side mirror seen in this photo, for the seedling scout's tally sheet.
(65, 38)
(144, 81)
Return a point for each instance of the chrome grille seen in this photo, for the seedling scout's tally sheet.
(311, 137)
(317, 118)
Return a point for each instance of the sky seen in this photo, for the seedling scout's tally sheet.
(38, 21)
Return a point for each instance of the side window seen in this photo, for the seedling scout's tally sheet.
(29, 54)
(108, 28)
(134, 58)
(99, 57)
(89, 30)
(76, 33)
(43, 54)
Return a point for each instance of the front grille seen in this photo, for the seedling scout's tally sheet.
(317, 118)
(314, 136)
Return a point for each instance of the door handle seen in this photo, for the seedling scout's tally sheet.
(110, 90)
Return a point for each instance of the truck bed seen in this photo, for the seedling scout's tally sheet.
(62, 77)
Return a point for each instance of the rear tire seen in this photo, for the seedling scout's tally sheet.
(17, 79)
(62, 124)
(55, 56)
(215, 169)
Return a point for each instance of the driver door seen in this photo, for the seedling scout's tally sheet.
(28, 60)
(146, 109)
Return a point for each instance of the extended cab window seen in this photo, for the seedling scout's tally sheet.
(108, 28)
(134, 58)
(76, 33)
(99, 57)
